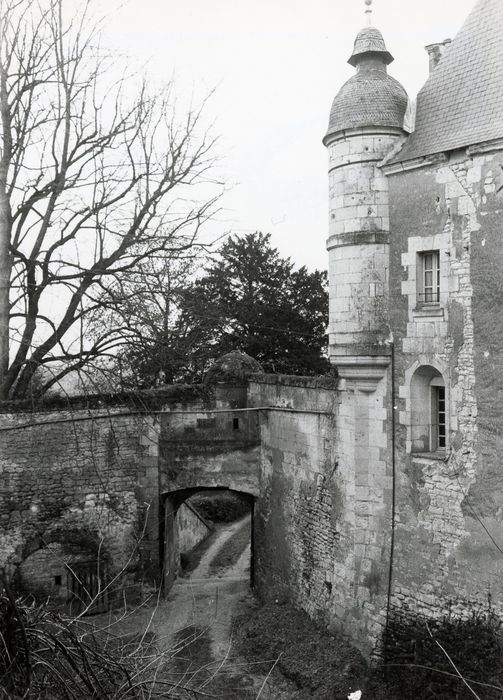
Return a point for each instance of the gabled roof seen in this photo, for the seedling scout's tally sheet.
(461, 103)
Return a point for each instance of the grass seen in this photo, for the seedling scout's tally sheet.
(230, 552)
(324, 666)
(190, 560)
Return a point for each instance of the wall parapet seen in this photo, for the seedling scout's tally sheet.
(147, 399)
(325, 381)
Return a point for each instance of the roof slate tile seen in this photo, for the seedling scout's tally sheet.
(461, 103)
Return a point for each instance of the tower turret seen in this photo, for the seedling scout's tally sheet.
(366, 121)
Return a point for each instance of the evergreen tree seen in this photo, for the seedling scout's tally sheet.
(248, 298)
(261, 305)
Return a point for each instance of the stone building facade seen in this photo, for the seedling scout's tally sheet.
(416, 316)
(400, 512)
(377, 489)
(445, 188)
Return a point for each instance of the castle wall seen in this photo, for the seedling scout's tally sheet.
(76, 487)
(192, 528)
(449, 536)
(203, 450)
(322, 520)
(209, 449)
(82, 487)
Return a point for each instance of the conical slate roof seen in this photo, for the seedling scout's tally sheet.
(370, 40)
(461, 103)
(371, 97)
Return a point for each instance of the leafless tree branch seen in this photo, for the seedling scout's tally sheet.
(97, 175)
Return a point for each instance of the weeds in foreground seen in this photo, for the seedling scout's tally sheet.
(452, 658)
(47, 656)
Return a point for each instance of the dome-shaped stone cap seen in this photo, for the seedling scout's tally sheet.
(233, 367)
(369, 98)
(370, 40)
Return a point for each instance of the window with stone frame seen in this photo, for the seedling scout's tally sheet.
(428, 277)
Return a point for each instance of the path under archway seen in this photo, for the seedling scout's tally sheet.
(170, 550)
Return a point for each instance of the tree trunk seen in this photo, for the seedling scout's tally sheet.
(4, 291)
(5, 233)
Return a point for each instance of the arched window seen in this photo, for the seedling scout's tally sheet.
(428, 410)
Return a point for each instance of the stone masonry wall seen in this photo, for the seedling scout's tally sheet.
(209, 449)
(358, 243)
(450, 521)
(321, 523)
(192, 528)
(78, 485)
(81, 486)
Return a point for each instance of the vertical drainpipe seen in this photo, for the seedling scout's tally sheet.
(393, 501)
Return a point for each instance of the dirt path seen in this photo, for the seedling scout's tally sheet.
(193, 626)
(208, 602)
(196, 618)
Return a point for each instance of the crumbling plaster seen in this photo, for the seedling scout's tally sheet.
(455, 565)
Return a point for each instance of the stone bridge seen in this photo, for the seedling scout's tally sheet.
(200, 450)
(94, 486)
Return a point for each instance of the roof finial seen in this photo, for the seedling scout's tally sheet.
(368, 11)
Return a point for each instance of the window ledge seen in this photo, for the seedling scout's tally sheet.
(438, 456)
(428, 310)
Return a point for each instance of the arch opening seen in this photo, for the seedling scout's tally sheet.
(73, 578)
(429, 415)
(196, 516)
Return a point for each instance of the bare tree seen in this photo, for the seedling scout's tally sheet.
(96, 175)
(161, 339)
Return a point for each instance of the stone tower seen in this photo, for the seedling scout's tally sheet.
(366, 122)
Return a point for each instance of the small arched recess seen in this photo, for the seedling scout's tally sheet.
(429, 417)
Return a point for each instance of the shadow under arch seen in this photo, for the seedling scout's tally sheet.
(169, 553)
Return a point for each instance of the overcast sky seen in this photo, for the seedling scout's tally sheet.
(277, 65)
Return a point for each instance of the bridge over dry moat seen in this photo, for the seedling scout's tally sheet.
(99, 483)
(199, 450)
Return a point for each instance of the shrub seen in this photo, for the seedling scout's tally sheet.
(324, 665)
(48, 656)
(221, 506)
(418, 650)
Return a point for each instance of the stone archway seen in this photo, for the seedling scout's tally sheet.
(73, 577)
(170, 550)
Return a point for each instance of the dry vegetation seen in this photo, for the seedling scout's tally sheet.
(321, 665)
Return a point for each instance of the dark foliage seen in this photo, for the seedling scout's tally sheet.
(248, 298)
(325, 665)
(222, 507)
(257, 303)
(416, 665)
